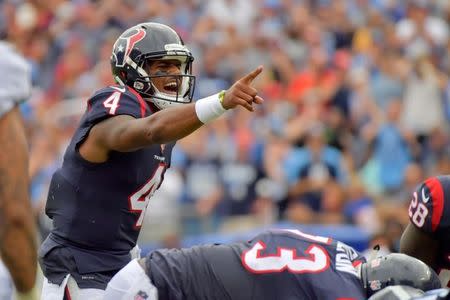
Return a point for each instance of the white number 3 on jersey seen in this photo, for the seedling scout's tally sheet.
(315, 261)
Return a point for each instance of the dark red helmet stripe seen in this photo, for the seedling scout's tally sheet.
(437, 196)
(132, 40)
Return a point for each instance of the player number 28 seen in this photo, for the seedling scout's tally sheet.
(316, 260)
(417, 211)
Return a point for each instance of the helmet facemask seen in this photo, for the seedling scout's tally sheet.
(175, 89)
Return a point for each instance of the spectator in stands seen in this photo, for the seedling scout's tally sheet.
(311, 170)
(423, 110)
(392, 148)
(360, 207)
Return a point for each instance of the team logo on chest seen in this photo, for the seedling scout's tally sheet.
(124, 45)
(160, 158)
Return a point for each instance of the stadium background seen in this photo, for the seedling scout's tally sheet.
(356, 114)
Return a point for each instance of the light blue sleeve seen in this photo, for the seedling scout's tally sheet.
(15, 85)
(294, 162)
(333, 157)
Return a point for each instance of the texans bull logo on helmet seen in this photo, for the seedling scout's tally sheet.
(125, 44)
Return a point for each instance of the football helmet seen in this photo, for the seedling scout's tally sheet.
(153, 41)
(397, 269)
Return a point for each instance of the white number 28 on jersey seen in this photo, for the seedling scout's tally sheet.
(139, 200)
(417, 211)
(316, 260)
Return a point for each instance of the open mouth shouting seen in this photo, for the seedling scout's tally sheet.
(171, 86)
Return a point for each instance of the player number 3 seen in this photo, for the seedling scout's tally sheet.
(316, 260)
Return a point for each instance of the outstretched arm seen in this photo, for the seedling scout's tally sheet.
(419, 245)
(17, 230)
(125, 133)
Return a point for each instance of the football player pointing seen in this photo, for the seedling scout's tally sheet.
(118, 155)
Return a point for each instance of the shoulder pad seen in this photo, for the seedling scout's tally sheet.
(116, 100)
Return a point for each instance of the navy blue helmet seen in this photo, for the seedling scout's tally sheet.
(148, 42)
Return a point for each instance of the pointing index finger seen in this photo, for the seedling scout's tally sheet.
(252, 75)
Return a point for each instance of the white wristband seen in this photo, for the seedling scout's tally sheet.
(209, 108)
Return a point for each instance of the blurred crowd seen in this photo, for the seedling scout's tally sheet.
(356, 112)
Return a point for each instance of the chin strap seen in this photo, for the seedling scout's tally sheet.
(363, 269)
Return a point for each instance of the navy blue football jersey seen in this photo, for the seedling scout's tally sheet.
(429, 211)
(98, 208)
(279, 264)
